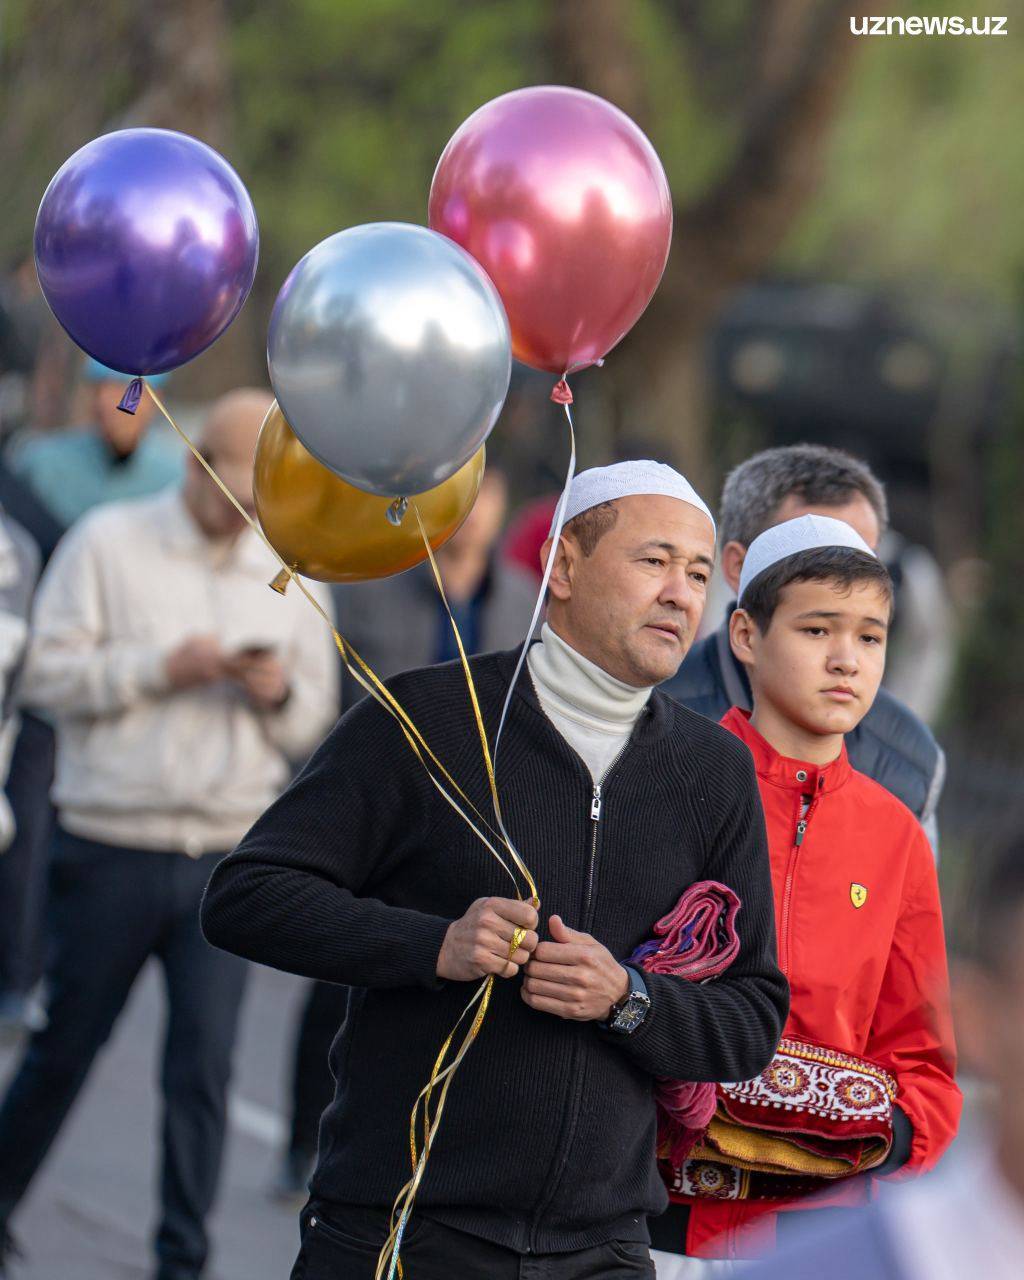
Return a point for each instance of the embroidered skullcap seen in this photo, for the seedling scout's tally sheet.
(626, 480)
(805, 533)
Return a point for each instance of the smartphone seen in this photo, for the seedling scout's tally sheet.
(255, 650)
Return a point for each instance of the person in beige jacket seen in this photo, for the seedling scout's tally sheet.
(182, 690)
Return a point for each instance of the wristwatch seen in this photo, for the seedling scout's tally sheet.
(631, 1010)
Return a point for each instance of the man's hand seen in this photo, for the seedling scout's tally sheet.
(574, 976)
(479, 943)
(261, 676)
(196, 661)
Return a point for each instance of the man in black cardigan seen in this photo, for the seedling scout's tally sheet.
(618, 800)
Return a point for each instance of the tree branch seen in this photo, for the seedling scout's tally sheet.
(730, 233)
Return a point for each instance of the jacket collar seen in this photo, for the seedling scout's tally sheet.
(781, 771)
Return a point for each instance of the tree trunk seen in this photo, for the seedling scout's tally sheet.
(186, 79)
(730, 234)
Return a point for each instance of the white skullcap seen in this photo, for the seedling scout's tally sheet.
(792, 536)
(626, 480)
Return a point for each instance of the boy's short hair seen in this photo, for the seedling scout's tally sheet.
(843, 567)
(816, 474)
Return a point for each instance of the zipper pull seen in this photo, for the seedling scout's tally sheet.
(595, 805)
(801, 827)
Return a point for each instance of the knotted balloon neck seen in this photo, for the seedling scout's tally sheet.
(132, 396)
(279, 582)
(396, 512)
(560, 392)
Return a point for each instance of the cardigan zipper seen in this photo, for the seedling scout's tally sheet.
(596, 811)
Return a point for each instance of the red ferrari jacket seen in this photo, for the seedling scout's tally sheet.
(861, 942)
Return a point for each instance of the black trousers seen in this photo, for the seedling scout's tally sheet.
(345, 1244)
(312, 1082)
(25, 866)
(112, 908)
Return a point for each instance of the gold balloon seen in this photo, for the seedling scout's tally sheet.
(326, 528)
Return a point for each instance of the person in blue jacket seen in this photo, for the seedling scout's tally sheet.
(114, 456)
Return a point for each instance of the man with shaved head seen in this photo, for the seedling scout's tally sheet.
(181, 688)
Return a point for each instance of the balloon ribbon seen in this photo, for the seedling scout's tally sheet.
(389, 1260)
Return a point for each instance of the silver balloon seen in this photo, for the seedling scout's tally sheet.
(390, 356)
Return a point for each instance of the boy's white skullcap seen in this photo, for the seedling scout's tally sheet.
(627, 480)
(805, 533)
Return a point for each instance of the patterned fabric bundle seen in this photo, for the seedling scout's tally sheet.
(813, 1115)
(696, 940)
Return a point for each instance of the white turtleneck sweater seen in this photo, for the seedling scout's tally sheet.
(592, 710)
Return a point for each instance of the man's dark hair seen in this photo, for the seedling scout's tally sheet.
(997, 907)
(842, 567)
(590, 526)
(819, 476)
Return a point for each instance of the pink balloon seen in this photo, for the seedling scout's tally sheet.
(563, 201)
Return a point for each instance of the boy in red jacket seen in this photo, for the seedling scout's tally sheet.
(857, 909)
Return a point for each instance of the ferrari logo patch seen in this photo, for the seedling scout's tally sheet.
(858, 895)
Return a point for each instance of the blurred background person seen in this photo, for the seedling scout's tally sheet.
(48, 480)
(399, 623)
(114, 455)
(968, 1218)
(180, 687)
(922, 641)
(23, 319)
(890, 744)
(396, 624)
(31, 532)
(19, 570)
(527, 532)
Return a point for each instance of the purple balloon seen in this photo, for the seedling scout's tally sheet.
(146, 244)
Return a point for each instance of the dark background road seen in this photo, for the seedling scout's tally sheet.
(90, 1213)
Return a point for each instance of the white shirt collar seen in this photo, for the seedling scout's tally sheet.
(179, 532)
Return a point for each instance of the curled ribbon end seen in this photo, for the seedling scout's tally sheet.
(560, 392)
(132, 395)
(396, 512)
(279, 582)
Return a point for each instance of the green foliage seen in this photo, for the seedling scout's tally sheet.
(693, 138)
(343, 121)
(925, 177)
(342, 108)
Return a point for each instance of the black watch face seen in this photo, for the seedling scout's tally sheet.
(632, 1013)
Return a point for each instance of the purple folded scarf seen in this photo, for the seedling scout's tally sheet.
(696, 940)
